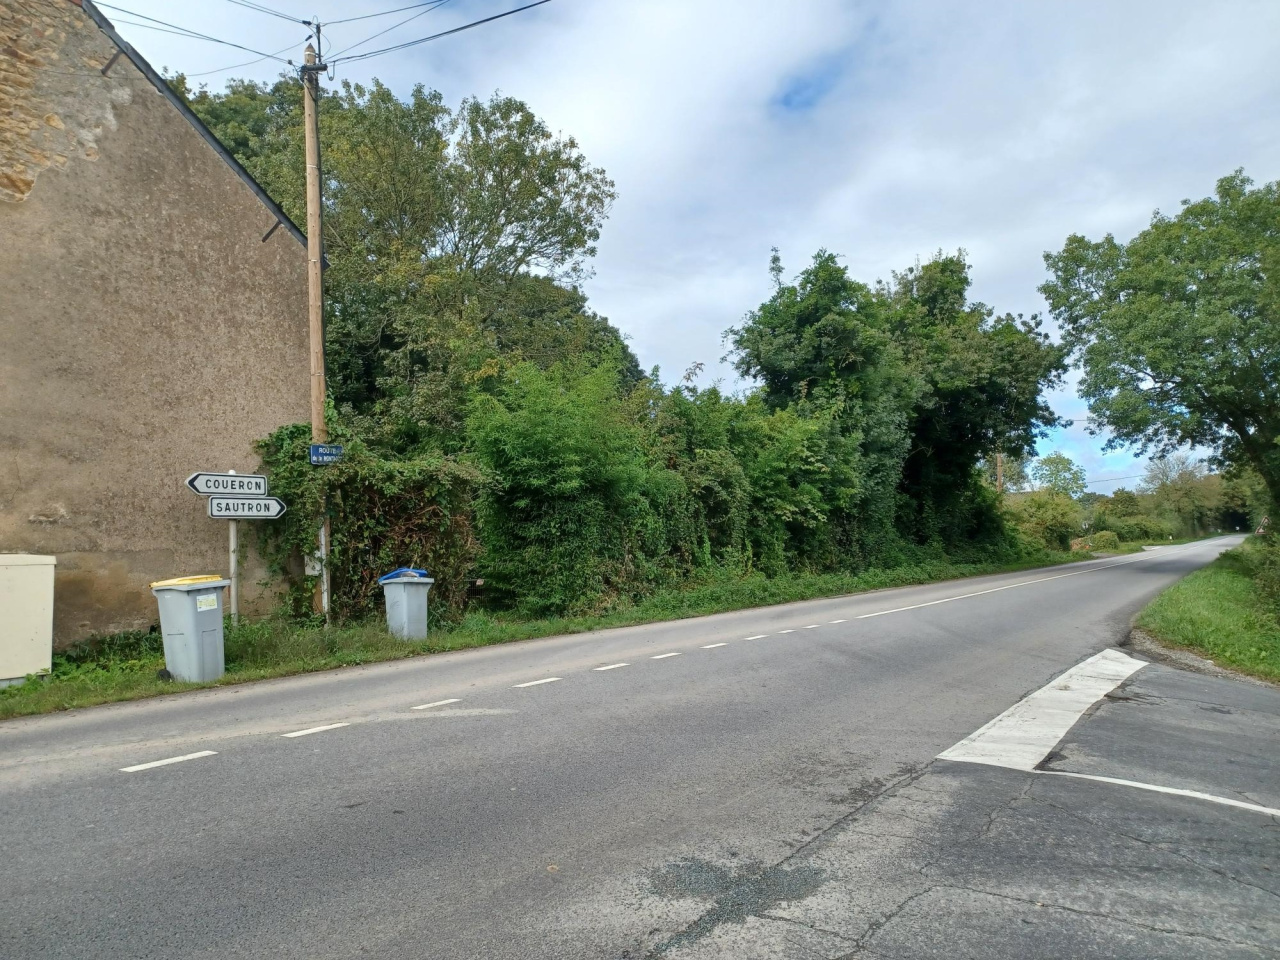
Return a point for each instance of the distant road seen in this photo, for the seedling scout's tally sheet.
(584, 796)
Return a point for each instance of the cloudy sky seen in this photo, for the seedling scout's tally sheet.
(883, 131)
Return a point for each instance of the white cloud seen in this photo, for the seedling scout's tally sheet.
(882, 131)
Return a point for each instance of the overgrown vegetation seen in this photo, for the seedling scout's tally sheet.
(1228, 611)
(499, 430)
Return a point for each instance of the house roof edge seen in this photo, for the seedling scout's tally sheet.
(159, 83)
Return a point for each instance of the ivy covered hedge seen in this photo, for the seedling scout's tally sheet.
(384, 513)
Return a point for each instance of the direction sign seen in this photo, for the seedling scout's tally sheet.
(228, 484)
(246, 508)
(325, 453)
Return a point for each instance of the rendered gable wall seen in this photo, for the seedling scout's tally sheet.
(147, 330)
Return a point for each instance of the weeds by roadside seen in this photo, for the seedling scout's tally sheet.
(125, 666)
(1222, 612)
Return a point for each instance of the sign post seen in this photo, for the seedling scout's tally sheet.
(233, 541)
(236, 497)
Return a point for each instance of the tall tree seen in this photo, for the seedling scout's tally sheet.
(1059, 473)
(983, 378)
(1178, 331)
(454, 240)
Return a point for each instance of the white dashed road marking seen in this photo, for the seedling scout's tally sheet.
(758, 636)
(813, 626)
(534, 683)
(786, 631)
(663, 656)
(837, 621)
(309, 730)
(438, 703)
(164, 763)
(612, 666)
(712, 646)
(1007, 586)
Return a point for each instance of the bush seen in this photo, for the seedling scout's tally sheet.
(573, 518)
(1264, 557)
(1139, 529)
(1104, 540)
(384, 513)
(1048, 518)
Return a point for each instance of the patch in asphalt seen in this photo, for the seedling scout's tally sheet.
(748, 891)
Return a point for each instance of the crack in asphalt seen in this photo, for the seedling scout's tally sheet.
(1044, 904)
(1162, 847)
(752, 891)
(807, 926)
(875, 927)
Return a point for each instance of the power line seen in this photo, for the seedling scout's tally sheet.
(183, 31)
(1136, 476)
(261, 9)
(429, 7)
(247, 63)
(437, 36)
(369, 16)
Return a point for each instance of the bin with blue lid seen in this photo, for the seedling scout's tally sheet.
(405, 591)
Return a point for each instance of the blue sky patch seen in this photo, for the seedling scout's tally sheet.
(805, 91)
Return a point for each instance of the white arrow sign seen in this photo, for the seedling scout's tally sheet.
(228, 484)
(246, 508)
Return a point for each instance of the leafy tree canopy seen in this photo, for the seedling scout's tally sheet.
(454, 239)
(1059, 473)
(1178, 331)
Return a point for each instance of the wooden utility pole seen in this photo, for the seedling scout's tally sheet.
(999, 472)
(315, 244)
(315, 292)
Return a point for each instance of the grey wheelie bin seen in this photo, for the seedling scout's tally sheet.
(191, 623)
(405, 591)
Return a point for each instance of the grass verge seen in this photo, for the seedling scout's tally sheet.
(124, 666)
(1220, 613)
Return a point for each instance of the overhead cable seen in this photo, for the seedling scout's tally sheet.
(436, 36)
(247, 63)
(262, 9)
(183, 31)
(370, 16)
(429, 7)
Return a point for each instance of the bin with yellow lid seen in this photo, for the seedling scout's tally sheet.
(191, 625)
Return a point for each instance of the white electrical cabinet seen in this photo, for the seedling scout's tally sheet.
(26, 615)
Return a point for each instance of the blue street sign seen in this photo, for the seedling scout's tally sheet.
(323, 453)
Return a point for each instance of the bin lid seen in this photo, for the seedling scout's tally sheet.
(405, 573)
(191, 583)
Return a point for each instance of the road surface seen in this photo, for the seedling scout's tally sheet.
(759, 783)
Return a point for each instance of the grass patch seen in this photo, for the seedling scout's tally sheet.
(1221, 613)
(124, 666)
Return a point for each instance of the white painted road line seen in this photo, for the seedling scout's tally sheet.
(813, 626)
(612, 666)
(310, 730)
(758, 636)
(1174, 791)
(1008, 586)
(165, 763)
(438, 703)
(786, 631)
(1022, 736)
(534, 683)
(837, 621)
(712, 646)
(663, 656)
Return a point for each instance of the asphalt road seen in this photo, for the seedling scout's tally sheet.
(661, 807)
